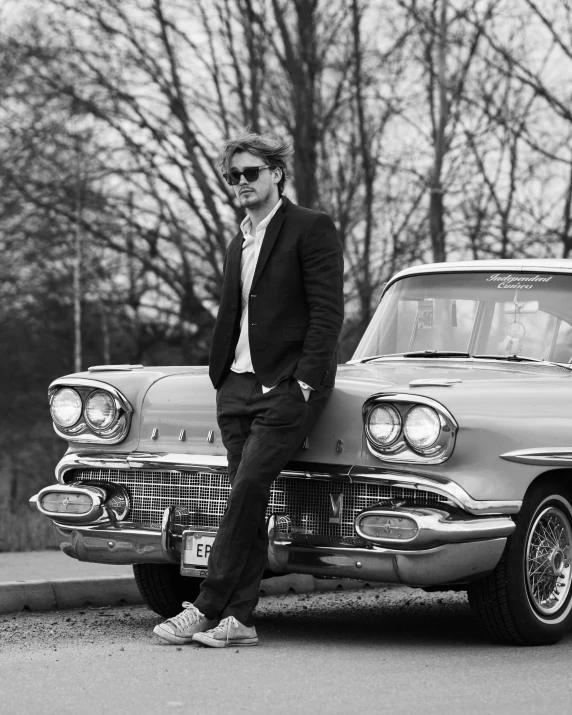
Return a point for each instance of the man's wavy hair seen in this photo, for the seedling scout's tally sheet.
(273, 149)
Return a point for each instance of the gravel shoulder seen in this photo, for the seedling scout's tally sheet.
(340, 615)
(374, 650)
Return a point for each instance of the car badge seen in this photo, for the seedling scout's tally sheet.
(336, 507)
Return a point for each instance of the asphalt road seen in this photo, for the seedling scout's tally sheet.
(370, 651)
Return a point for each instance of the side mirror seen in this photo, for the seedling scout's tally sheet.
(516, 308)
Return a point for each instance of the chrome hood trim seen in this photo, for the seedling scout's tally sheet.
(197, 462)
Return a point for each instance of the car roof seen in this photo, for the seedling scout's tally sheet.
(540, 265)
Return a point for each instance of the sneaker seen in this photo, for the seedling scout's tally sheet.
(182, 628)
(229, 632)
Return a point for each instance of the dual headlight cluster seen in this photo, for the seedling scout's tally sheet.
(88, 411)
(401, 428)
(100, 410)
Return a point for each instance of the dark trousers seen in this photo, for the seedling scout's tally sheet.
(261, 432)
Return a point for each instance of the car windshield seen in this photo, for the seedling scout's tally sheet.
(479, 313)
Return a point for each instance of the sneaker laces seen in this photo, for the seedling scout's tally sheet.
(188, 617)
(224, 627)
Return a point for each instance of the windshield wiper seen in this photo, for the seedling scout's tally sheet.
(521, 358)
(418, 354)
(376, 357)
(436, 354)
(510, 358)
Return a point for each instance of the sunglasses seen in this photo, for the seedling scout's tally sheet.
(250, 173)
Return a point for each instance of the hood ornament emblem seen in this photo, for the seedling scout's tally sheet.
(336, 508)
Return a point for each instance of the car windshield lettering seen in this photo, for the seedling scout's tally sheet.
(483, 315)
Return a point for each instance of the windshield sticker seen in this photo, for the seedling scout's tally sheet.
(425, 313)
(519, 282)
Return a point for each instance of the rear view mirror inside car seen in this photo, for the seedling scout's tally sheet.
(526, 308)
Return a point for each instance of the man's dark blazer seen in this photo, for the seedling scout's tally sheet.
(296, 303)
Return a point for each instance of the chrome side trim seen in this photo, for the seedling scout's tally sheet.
(401, 451)
(81, 431)
(541, 456)
(219, 465)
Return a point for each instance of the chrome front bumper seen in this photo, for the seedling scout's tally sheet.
(453, 543)
(444, 564)
(448, 564)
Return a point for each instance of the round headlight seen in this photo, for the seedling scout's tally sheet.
(384, 424)
(422, 427)
(66, 407)
(100, 410)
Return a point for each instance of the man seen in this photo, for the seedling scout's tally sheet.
(273, 363)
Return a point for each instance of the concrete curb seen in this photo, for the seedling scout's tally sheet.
(56, 594)
(65, 593)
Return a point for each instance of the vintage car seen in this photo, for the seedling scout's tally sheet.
(443, 459)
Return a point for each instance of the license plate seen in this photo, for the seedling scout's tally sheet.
(195, 554)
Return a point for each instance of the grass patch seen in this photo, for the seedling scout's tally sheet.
(22, 529)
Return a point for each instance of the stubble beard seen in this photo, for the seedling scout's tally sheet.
(249, 199)
(253, 200)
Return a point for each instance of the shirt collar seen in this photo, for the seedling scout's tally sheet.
(246, 224)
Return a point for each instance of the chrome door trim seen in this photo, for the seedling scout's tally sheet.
(541, 456)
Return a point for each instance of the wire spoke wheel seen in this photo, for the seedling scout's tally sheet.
(547, 561)
(527, 599)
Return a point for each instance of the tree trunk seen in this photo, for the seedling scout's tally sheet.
(436, 205)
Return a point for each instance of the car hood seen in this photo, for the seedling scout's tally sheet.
(186, 401)
(496, 406)
(390, 373)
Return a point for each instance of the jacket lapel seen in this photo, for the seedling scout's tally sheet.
(270, 239)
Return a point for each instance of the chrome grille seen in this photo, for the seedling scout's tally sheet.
(200, 498)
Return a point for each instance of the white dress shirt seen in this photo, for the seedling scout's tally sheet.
(250, 252)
